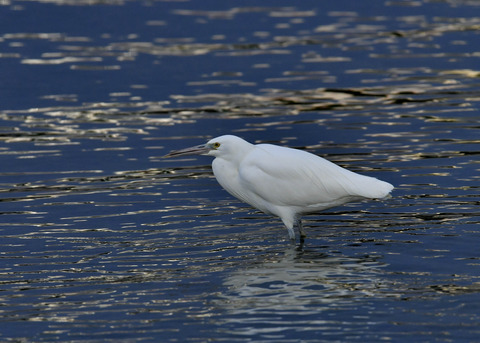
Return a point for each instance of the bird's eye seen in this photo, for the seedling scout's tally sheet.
(216, 145)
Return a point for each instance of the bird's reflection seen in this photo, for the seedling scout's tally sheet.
(301, 280)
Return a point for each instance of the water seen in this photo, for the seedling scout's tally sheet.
(103, 240)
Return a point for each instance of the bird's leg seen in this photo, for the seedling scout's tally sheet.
(300, 246)
(298, 223)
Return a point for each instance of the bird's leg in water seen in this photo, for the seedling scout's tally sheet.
(298, 223)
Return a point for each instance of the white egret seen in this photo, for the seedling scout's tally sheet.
(282, 181)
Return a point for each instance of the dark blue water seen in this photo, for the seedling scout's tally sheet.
(103, 240)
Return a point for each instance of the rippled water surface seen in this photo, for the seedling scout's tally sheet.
(103, 240)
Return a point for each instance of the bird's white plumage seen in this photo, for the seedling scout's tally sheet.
(285, 182)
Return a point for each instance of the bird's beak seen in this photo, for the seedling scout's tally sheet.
(194, 150)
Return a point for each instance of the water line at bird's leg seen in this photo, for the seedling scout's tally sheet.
(298, 223)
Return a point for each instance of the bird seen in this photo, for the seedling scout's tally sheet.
(284, 182)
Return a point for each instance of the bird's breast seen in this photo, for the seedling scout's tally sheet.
(226, 174)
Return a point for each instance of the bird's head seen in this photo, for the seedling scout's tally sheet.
(222, 146)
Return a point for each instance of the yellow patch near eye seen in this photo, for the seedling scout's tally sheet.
(216, 145)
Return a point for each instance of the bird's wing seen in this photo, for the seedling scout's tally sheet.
(289, 177)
